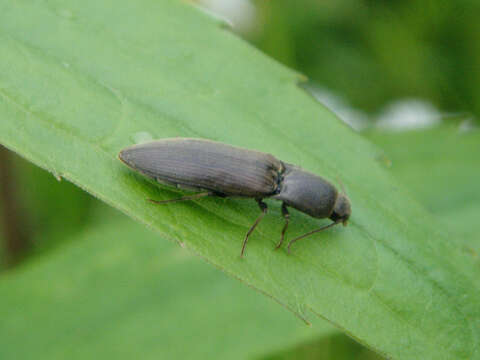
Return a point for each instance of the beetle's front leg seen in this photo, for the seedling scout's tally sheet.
(264, 209)
(286, 216)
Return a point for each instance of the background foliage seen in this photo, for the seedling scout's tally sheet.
(374, 51)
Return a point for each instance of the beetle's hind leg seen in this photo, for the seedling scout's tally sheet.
(264, 209)
(183, 198)
(286, 216)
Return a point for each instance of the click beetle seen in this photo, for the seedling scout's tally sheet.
(217, 169)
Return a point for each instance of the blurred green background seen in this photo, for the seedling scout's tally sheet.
(373, 52)
(406, 73)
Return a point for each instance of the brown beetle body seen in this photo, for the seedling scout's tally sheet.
(206, 165)
(228, 171)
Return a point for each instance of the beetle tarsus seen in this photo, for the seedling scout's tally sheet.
(264, 209)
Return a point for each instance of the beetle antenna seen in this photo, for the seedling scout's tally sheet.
(310, 233)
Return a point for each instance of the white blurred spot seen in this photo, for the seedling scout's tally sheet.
(408, 114)
(355, 118)
(141, 137)
(239, 13)
(467, 125)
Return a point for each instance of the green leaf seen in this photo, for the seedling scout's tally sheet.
(51, 208)
(333, 347)
(105, 296)
(79, 81)
(441, 168)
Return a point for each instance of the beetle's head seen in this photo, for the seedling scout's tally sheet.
(341, 210)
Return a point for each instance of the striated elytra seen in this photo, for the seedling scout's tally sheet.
(217, 169)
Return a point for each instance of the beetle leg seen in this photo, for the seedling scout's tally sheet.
(312, 232)
(183, 198)
(286, 216)
(264, 209)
